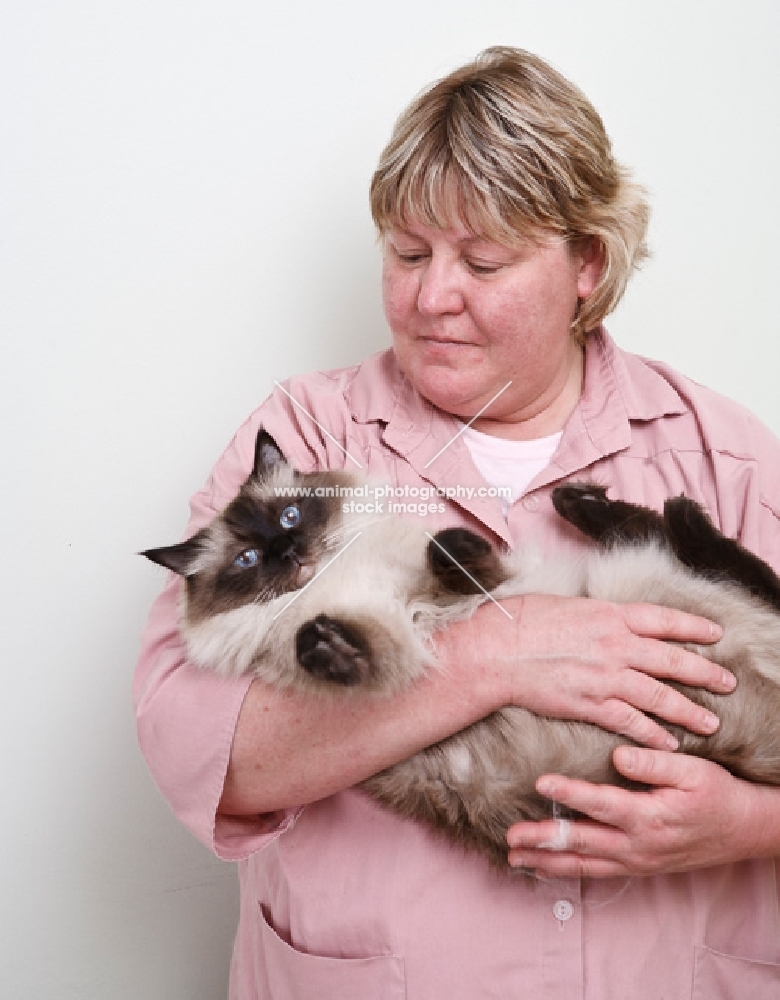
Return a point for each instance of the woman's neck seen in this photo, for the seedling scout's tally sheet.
(553, 411)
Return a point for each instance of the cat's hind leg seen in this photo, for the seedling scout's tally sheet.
(463, 562)
(684, 527)
(609, 522)
(699, 545)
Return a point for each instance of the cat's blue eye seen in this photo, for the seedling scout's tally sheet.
(290, 517)
(247, 559)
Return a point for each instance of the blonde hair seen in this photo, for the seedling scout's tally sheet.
(514, 150)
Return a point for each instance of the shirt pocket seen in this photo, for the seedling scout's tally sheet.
(296, 975)
(726, 977)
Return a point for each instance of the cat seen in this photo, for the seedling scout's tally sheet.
(253, 602)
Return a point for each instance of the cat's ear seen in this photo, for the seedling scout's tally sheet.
(178, 558)
(268, 454)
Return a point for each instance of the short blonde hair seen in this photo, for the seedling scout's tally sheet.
(514, 150)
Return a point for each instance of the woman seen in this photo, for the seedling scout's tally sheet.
(508, 233)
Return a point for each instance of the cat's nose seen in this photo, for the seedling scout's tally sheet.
(282, 547)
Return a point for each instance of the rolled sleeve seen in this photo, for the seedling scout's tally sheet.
(186, 717)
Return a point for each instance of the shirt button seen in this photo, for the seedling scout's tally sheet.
(563, 909)
(531, 502)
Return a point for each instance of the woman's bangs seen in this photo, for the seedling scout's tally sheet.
(439, 193)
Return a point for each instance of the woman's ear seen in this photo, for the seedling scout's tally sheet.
(590, 253)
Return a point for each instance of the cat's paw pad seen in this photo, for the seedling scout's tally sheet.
(610, 522)
(332, 651)
(463, 562)
(567, 498)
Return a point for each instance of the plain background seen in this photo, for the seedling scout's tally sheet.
(183, 219)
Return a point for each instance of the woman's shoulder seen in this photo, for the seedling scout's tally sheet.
(369, 387)
(717, 421)
(730, 440)
(313, 417)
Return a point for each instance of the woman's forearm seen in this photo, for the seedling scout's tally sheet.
(292, 748)
(565, 657)
(762, 828)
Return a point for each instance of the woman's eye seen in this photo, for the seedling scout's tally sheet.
(247, 559)
(290, 517)
(410, 256)
(483, 267)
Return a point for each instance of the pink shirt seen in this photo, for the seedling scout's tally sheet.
(342, 900)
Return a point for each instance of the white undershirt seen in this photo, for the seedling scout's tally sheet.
(512, 464)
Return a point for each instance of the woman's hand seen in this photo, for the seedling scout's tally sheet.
(576, 658)
(607, 658)
(695, 815)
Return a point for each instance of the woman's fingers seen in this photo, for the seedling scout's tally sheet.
(636, 698)
(651, 696)
(658, 622)
(664, 659)
(594, 846)
(606, 663)
(693, 814)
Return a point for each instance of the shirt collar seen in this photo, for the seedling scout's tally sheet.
(426, 437)
(618, 389)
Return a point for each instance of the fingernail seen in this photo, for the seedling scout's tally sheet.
(710, 722)
(545, 787)
(729, 680)
(628, 762)
(671, 742)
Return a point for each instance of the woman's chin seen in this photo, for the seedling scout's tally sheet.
(454, 392)
(454, 379)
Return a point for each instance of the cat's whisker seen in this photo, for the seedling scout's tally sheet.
(317, 575)
(343, 532)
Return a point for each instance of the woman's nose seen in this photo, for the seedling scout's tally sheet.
(440, 292)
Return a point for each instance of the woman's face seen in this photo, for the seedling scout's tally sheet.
(470, 316)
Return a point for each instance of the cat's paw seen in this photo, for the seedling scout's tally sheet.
(699, 545)
(588, 508)
(463, 562)
(332, 651)
(685, 517)
(569, 499)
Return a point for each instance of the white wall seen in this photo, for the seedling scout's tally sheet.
(183, 219)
